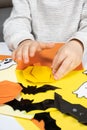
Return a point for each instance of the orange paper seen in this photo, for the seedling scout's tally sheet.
(43, 58)
(8, 91)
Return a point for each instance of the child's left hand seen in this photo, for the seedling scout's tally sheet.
(67, 58)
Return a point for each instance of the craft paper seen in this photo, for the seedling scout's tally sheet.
(36, 102)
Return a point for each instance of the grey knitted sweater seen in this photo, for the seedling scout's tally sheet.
(46, 21)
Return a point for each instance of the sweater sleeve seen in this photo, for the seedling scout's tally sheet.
(18, 26)
(81, 34)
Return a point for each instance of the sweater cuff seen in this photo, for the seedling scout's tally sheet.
(17, 39)
(82, 37)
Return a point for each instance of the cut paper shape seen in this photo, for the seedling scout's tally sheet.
(85, 72)
(75, 110)
(82, 90)
(38, 74)
(39, 124)
(50, 123)
(6, 63)
(8, 74)
(9, 91)
(8, 110)
(36, 90)
(67, 85)
(2, 57)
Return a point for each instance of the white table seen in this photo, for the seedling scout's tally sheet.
(4, 49)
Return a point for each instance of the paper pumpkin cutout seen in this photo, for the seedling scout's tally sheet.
(37, 74)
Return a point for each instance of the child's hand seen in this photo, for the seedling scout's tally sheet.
(28, 49)
(67, 58)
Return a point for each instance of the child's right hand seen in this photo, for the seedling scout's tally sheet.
(28, 48)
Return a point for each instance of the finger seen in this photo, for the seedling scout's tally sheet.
(57, 61)
(25, 55)
(47, 45)
(65, 68)
(33, 50)
(17, 55)
(14, 55)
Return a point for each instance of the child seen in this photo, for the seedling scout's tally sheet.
(37, 24)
